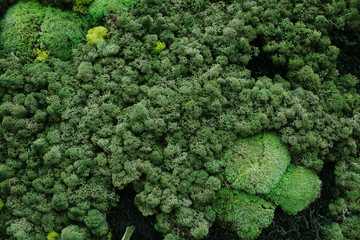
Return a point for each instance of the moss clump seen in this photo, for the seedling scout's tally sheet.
(256, 164)
(100, 10)
(30, 26)
(1, 204)
(52, 235)
(160, 46)
(242, 213)
(43, 55)
(297, 189)
(96, 34)
(81, 6)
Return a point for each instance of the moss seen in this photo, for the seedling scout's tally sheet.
(244, 214)
(81, 6)
(298, 188)
(96, 34)
(52, 235)
(100, 10)
(43, 55)
(256, 164)
(1, 204)
(30, 26)
(160, 46)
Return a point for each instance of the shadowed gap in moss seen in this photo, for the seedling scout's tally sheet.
(127, 214)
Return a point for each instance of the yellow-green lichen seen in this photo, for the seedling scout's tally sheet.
(96, 34)
(42, 55)
(52, 235)
(1, 204)
(160, 46)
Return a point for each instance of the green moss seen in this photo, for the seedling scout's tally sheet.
(43, 55)
(100, 10)
(81, 6)
(244, 214)
(297, 189)
(350, 227)
(256, 164)
(30, 26)
(96, 34)
(1, 204)
(52, 235)
(160, 46)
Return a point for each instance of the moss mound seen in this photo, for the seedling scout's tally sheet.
(298, 188)
(256, 164)
(242, 213)
(29, 27)
(101, 9)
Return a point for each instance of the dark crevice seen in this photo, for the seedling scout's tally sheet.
(349, 58)
(262, 64)
(308, 224)
(126, 214)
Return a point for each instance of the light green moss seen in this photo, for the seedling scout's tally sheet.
(52, 235)
(242, 213)
(96, 34)
(298, 188)
(256, 164)
(160, 46)
(43, 55)
(81, 6)
(1, 204)
(100, 10)
(29, 26)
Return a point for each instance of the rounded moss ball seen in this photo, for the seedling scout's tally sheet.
(29, 27)
(297, 189)
(256, 164)
(242, 213)
(96, 34)
(73, 232)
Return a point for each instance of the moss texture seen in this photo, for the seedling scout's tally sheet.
(29, 26)
(101, 9)
(96, 34)
(244, 214)
(256, 164)
(298, 188)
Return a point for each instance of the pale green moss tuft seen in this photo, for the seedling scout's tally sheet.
(256, 164)
(160, 46)
(96, 34)
(52, 235)
(242, 213)
(43, 55)
(298, 188)
(1, 204)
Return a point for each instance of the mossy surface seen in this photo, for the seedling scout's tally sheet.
(29, 26)
(96, 34)
(256, 164)
(298, 188)
(244, 214)
(99, 10)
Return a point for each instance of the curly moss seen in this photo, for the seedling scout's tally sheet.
(297, 189)
(81, 6)
(256, 164)
(52, 235)
(242, 213)
(99, 10)
(96, 34)
(1, 204)
(160, 46)
(29, 26)
(43, 55)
